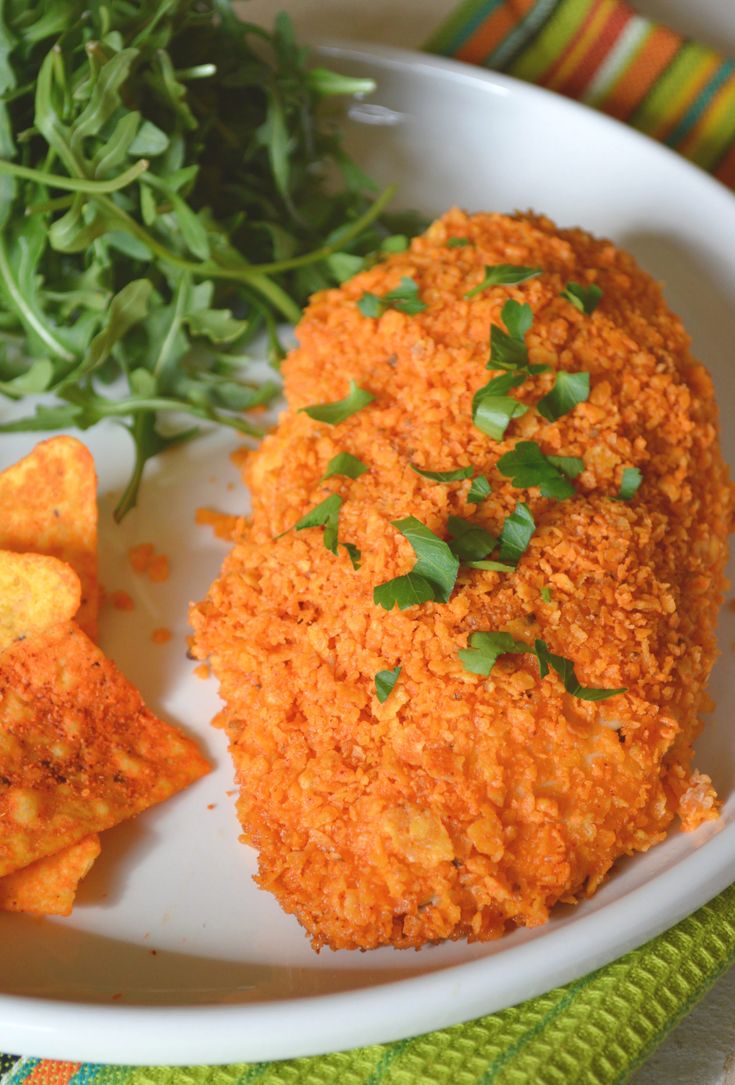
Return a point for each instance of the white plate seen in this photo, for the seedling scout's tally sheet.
(232, 978)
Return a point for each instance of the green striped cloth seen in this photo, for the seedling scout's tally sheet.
(597, 1030)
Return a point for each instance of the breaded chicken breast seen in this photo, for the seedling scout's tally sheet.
(463, 803)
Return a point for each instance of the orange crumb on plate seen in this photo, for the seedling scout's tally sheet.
(202, 671)
(158, 569)
(239, 455)
(222, 523)
(162, 635)
(121, 600)
(140, 556)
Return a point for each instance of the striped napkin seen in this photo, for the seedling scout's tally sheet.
(596, 1030)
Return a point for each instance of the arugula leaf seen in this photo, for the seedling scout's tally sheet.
(484, 650)
(584, 298)
(435, 570)
(518, 528)
(493, 414)
(326, 515)
(503, 275)
(345, 464)
(569, 390)
(469, 541)
(404, 297)
(445, 476)
(458, 242)
(479, 490)
(170, 189)
(384, 683)
(527, 466)
(631, 480)
(341, 409)
(565, 669)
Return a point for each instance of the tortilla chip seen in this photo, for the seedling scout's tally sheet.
(79, 751)
(48, 886)
(48, 505)
(35, 593)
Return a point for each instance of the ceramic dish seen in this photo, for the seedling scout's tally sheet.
(173, 955)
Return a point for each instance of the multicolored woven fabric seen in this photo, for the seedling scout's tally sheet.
(604, 54)
(597, 1030)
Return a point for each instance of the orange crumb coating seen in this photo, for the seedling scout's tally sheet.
(463, 806)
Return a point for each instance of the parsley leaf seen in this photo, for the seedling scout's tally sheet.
(493, 414)
(584, 298)
(565, 669)
(458, 242)
(432, 577)
(346, 465)
(404, 297)
(516, 534)
(338, 411)
(570, 465)
(508, 347)
(344, 265)
(394, 243)
(503, 275)
(569, 390)
(527, 466)
(326, 515)
(384, 683)
(354, 554)
(631, 480)
(404, 592)
(485, 649)
(479, 490)
(546, 594)
(470, 542)
(492, 566)
(445, 476)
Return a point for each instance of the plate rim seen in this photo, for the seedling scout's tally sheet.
(216, 1034)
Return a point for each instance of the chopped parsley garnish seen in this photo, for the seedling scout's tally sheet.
(484, 650)
(354, 554)
(565, 669)
(432, 577)
(344, 265)
(345, 464)
(458, 242)
(394, 243)
(493, 409)
(493, 414)
(584, 298)
(341, 409)
(517, 530)
(569, 390)
(404, 297)
(326, 515)
(445, 476)
(503, 275)
(469, 541)
(546, 594)
(508, 345)
(526, 465)
(384, 683)
(631, 480)
(479, 490)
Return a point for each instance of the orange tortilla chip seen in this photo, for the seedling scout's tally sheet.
(79, 751)
(48, 505)
(48, 886)
(35, 593)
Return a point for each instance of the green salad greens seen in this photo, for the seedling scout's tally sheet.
(170, 187)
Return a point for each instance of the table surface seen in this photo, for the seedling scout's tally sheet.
(701, 1050)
